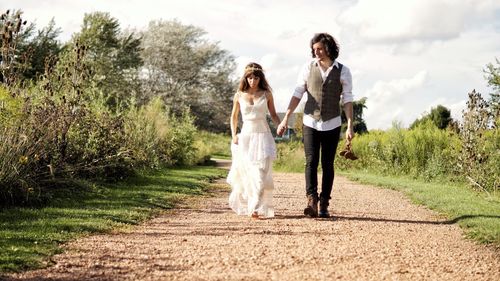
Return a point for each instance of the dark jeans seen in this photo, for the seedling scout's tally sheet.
(327, 141)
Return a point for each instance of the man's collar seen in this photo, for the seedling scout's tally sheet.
(335, 63)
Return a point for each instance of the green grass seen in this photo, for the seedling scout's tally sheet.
(290, 158)
(221, 156)
(29, 236)
(477, 213)
(216, 145)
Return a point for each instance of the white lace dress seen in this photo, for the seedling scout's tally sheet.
(250, 175)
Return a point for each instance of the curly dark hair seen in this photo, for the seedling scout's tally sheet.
(331, 46)
(255, 69)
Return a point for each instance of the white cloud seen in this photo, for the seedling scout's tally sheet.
(387, 45)
(456, 109)
(397, 21)
(393, 100)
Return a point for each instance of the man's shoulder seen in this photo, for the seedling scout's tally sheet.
(344, 67)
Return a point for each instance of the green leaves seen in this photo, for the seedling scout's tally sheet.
(114, 57)
(186, 70)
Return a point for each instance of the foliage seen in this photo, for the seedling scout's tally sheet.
(425, 152)
(468, 154)
(12, 35)
(299, 125)
(36, 135)
(155, 137)
(290, 157)
(210, 144)
(113, 56)
(493, 75)
(10, 107)
(493, 79)
(78, 208)
(62, 124)
(42, 47)
(186, 70)
(95, 143)
(359, 124)
(440, 117)
(480, 155)
(20, 171)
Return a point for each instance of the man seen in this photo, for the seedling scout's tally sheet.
(327, 83)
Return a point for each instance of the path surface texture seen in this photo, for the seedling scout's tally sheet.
(374, 234)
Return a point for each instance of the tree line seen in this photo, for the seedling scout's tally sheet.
(106, 103)
(110, 100)
(169, 60)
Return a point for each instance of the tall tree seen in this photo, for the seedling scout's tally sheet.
(13, 40)
(187, 70)
(439, 115)
(493, 78)
(42, 47)
(359, 124)
(113, 56)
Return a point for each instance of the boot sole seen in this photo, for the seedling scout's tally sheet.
(310, 212)
(324, 216)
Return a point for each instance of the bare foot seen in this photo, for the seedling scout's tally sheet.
(255, 216)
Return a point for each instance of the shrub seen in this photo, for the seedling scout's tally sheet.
(210, 144)
(155, 137)
(424, 152)
(479, 159)
(290, 157)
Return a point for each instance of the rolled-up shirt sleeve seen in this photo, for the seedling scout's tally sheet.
(346, 80)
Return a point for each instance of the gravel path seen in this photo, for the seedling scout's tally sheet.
(375, 234)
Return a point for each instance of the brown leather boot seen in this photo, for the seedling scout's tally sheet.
(323, 208)
(312, 206)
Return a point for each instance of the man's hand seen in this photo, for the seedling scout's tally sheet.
(349, 133)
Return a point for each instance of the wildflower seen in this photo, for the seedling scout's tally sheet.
(23, 160)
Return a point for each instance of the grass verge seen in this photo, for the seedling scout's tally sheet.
(477, 213)
(29, 236)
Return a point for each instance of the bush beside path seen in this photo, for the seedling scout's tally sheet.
(375, 234)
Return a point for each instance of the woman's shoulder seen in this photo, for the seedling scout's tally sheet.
(237, 96)
(267, 93)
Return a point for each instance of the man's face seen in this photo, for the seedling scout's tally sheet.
(319, 51)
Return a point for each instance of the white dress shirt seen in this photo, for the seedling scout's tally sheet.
(346, 95)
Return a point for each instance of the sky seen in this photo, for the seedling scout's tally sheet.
(405, 57)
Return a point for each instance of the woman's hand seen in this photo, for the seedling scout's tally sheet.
(235, 139)
(282, 128)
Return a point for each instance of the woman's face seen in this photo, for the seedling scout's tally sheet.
(253, 81)
(319, 51)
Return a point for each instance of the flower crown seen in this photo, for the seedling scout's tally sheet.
(252, 68)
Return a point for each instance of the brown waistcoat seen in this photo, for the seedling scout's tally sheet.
(323, 98)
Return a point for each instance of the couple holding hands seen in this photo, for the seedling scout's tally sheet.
(326, 83)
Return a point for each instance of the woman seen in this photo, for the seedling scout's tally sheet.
(253, 149)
